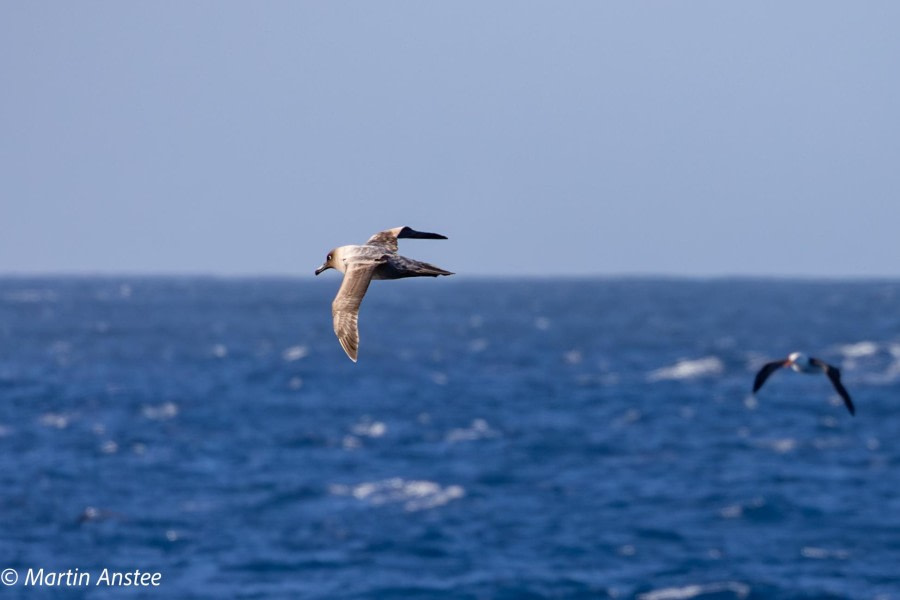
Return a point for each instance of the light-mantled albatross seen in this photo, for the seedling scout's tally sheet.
(376, 259)
(805, 364)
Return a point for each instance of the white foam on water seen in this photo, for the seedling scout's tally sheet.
(372, 429)
(160, 412)
(779, 445)
(573, 357)
(29, 296)
(294, 353)
(823, 553)
(55, 420)
(707, 366)
(740, 590)
(478, 345)
(542, 323)
(479, 429)
(736, 511)
(220, 351)
(414, 495)
(350, 442)
(859, 349)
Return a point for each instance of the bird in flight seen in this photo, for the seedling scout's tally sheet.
(801, 363)
(360, 264)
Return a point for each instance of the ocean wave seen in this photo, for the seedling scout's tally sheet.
(55, 420)
(294, 353)
(823, 553)
(479, 429)
(414, 495)
(779, 445)
(29, 296)
(733, 588)
(859, 349)
(689, 369)
(160, 412)
(369, 428)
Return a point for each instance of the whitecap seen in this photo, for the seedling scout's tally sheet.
(573, 357)
(478, 345)
(736, 511)
(414, 495)
(740, 590)
(294, 353)
(542, 323)
(55, 420)
(779, 445)
(160, 412)
(477, 430)
(689, 369)
(350, 442)
(372, 429)
(220, 351)
(29, 296)
(859, 349)
(823, 553)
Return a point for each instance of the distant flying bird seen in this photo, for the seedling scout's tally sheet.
(376, 259)
(805, 364)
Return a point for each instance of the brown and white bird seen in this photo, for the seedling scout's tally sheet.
(801, 363)
(376, 259)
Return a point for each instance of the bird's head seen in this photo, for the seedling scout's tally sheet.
(332, 261)
(795, 358)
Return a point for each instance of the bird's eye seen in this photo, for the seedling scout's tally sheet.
(328, 257)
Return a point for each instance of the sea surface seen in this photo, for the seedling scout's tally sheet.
(498, 439)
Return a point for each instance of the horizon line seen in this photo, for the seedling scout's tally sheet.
(10, 275)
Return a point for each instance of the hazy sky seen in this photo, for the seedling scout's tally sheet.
(682, 138)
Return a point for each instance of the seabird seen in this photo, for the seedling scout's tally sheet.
(805, 364)
(376, 259)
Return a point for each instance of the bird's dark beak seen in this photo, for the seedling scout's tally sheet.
(322, 268)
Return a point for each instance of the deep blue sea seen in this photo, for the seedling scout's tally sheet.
(498, 439)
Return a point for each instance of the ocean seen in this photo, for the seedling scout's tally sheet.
(498, 439)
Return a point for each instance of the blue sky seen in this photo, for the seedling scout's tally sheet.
(576, 138)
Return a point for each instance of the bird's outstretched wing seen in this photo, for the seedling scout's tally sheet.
(345, 308)
(834, 374)
(764, 373)
(388, 238)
